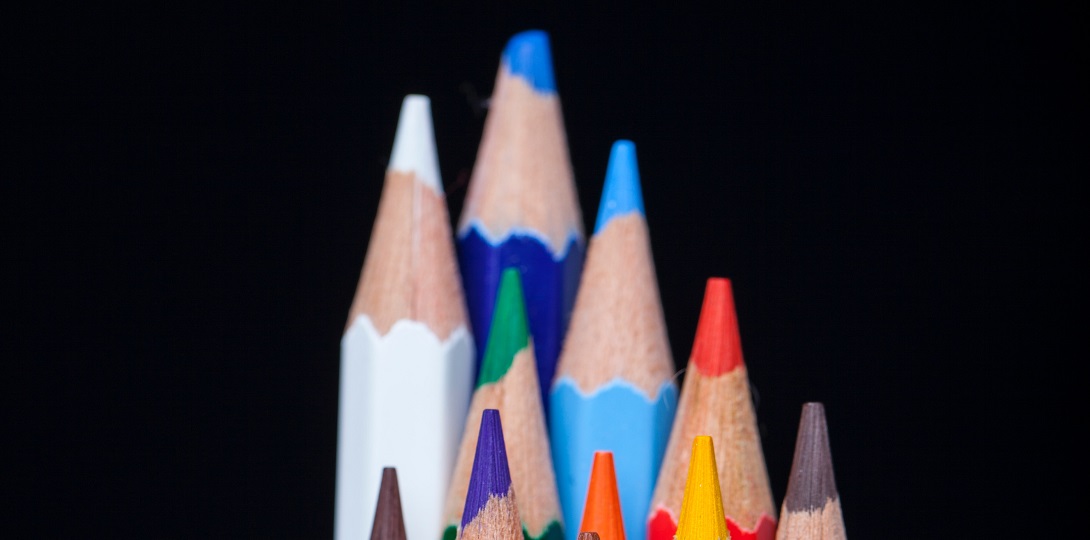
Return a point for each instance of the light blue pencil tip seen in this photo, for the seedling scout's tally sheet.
(621, 194)
(527, 55)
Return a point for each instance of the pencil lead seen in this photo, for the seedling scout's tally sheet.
(812, 482)
(490, 509)
(510, 330)
(414, 144)
(389, 523)
(811, 508)
(528, 55)
(621, 193)
(717, 347)
(603, 509)
(702, 506)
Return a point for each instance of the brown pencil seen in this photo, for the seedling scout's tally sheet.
(388, 524)
(811, 509)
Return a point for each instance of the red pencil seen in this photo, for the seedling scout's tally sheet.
(715, 401)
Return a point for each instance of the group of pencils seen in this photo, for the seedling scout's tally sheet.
(514, 380)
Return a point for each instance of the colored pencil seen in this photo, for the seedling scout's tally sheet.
(521, 207)
(508, 382)
(614, 388)
(406, 354)
(702, 505)
(811, 509)
(715, 399)
(389, 523)
(588, 536)
(603, 510)
(491, 511)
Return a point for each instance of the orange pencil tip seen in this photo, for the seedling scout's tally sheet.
(602, 512)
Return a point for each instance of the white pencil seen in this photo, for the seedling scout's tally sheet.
(407, 357)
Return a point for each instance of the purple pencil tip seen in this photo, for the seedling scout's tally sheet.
(491, 475)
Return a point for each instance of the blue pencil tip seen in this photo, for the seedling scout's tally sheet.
(527, 55)
(621, 194)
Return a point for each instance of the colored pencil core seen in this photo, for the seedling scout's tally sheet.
(529, 56)
(603, 509)
(389, 523)
(717, 347)
(414, 143)
(491, 476)
(812, 482)
(702, 508)
(509, 333)
(622, 193)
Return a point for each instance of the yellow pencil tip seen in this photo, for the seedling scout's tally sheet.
(702, 508)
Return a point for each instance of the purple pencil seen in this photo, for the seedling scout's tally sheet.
(490, 512)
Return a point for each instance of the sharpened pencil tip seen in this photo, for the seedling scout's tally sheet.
(602, 512)
(717, 347)
(490, 476)
(621, 193)
(510, 331)
(812, 482)
(528, 55)
(414, 144)
(702, 505)
(389, 523)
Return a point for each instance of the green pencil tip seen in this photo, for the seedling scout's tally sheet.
(510, 331)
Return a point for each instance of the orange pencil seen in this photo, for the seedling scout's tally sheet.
(602, 513)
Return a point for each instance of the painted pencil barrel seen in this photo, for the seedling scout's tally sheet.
(549, 284)
(619, 418)
(383, 425)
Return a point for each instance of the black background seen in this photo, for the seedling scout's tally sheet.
(891, 188)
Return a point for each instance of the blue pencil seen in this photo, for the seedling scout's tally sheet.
(614, 389)
(521, 209)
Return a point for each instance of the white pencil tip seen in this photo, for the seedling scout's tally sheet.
(414, 144)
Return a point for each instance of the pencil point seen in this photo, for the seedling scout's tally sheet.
(812, 482)
(490, 476)
(528, 55)
(717, 347)
(389, 523)
(621, 193)
(414, 144)
(510, 330)
(602, 512)
(702, 506)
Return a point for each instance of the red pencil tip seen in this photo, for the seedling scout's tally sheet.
(717, 348)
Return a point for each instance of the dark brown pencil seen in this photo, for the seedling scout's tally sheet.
(811, 509)
(388, 525)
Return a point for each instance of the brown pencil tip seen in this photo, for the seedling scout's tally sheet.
(812, 482)
(588, 536)
(389, 524)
